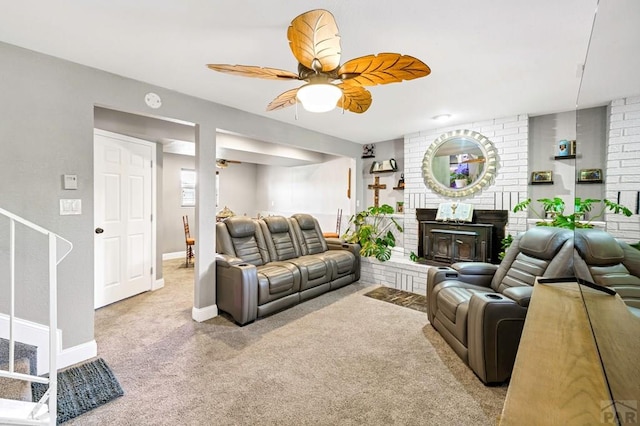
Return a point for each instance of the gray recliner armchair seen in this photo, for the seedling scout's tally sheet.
(479, 308)
(606, 261)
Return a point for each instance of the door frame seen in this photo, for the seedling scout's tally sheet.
(155, 284)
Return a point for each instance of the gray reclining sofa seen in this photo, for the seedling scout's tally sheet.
(479, 308)
(266, 265)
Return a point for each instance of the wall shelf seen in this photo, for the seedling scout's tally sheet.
(564, 157)
(589, 181)
(399, 188)
(550, 182)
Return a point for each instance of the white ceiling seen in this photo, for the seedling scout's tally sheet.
(488, 58)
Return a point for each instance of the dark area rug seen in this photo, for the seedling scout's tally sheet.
(82, 388)
(400, 298)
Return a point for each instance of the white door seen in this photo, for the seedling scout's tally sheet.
(122, 216)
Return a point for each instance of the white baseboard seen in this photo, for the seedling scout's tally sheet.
(157, 285)
(76, 354)
(203, 314)
(174, 255)
(34, 334)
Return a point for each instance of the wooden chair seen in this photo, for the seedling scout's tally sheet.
(190, 242)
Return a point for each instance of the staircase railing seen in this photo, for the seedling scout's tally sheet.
(43, 411)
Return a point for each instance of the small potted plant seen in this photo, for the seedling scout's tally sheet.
(459, 180)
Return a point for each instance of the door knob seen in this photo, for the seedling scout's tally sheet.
(99, 230)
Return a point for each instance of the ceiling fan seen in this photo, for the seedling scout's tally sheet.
(315, 43)
(221, 163)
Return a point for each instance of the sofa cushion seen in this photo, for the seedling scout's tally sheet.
(241, 227)
(276, 280)
(310, 235)
(543, 242)
(451, 298)
(279, 238)
(598, 248)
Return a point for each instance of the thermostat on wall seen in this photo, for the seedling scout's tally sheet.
(70, 181)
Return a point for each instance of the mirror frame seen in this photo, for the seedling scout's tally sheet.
(486, 178)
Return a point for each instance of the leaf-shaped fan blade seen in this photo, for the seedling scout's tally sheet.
(253, 71)
(314, 35)
(354, 98)
(283, 100)
(383, 69)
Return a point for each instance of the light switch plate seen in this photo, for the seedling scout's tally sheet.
(70, 181)
(69, 207)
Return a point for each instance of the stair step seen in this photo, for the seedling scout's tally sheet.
(17, 413)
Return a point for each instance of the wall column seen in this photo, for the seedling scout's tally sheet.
(204, 299)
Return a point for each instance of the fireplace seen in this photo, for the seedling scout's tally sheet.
(443, 243)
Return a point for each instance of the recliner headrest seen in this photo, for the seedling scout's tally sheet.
(240, 226)
(277, 224)
(597, 247)
(305, 220)
(543, 242)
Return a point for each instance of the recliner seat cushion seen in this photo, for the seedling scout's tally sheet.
(450, 298)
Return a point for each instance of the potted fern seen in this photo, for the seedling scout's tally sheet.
(372, 229)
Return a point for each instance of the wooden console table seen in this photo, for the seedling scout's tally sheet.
(566, 374)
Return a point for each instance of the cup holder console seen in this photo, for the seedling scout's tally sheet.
(494, 296)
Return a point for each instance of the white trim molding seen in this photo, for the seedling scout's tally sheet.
(174, 255)
(76, 354)
(157, 284)
(203, 314)
(34, 334)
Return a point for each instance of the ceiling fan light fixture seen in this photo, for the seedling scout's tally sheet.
(319, 97)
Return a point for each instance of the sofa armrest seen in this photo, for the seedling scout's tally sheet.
(521, 295)
(476, 273)
(339, 244)
(227, 260)
(494, 327)
(237, 289)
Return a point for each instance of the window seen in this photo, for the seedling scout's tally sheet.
(188, 187)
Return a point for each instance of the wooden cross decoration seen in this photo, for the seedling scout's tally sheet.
(377, 187)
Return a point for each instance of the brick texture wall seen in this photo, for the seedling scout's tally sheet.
(509, 135)
(622, 177)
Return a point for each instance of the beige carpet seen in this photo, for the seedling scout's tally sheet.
(339, 359)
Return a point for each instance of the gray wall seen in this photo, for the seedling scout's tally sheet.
(384, 151)
(592, 150)
(238, 184)
(46, 131)
(588, 128)
(170, 204)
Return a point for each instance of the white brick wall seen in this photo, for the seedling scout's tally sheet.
(401, 274)
(623, 166)
(510, 136)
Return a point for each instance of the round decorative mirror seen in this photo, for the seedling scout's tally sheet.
(459, 163)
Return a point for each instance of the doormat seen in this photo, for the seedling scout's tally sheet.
(82, 388)
(399, 297)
